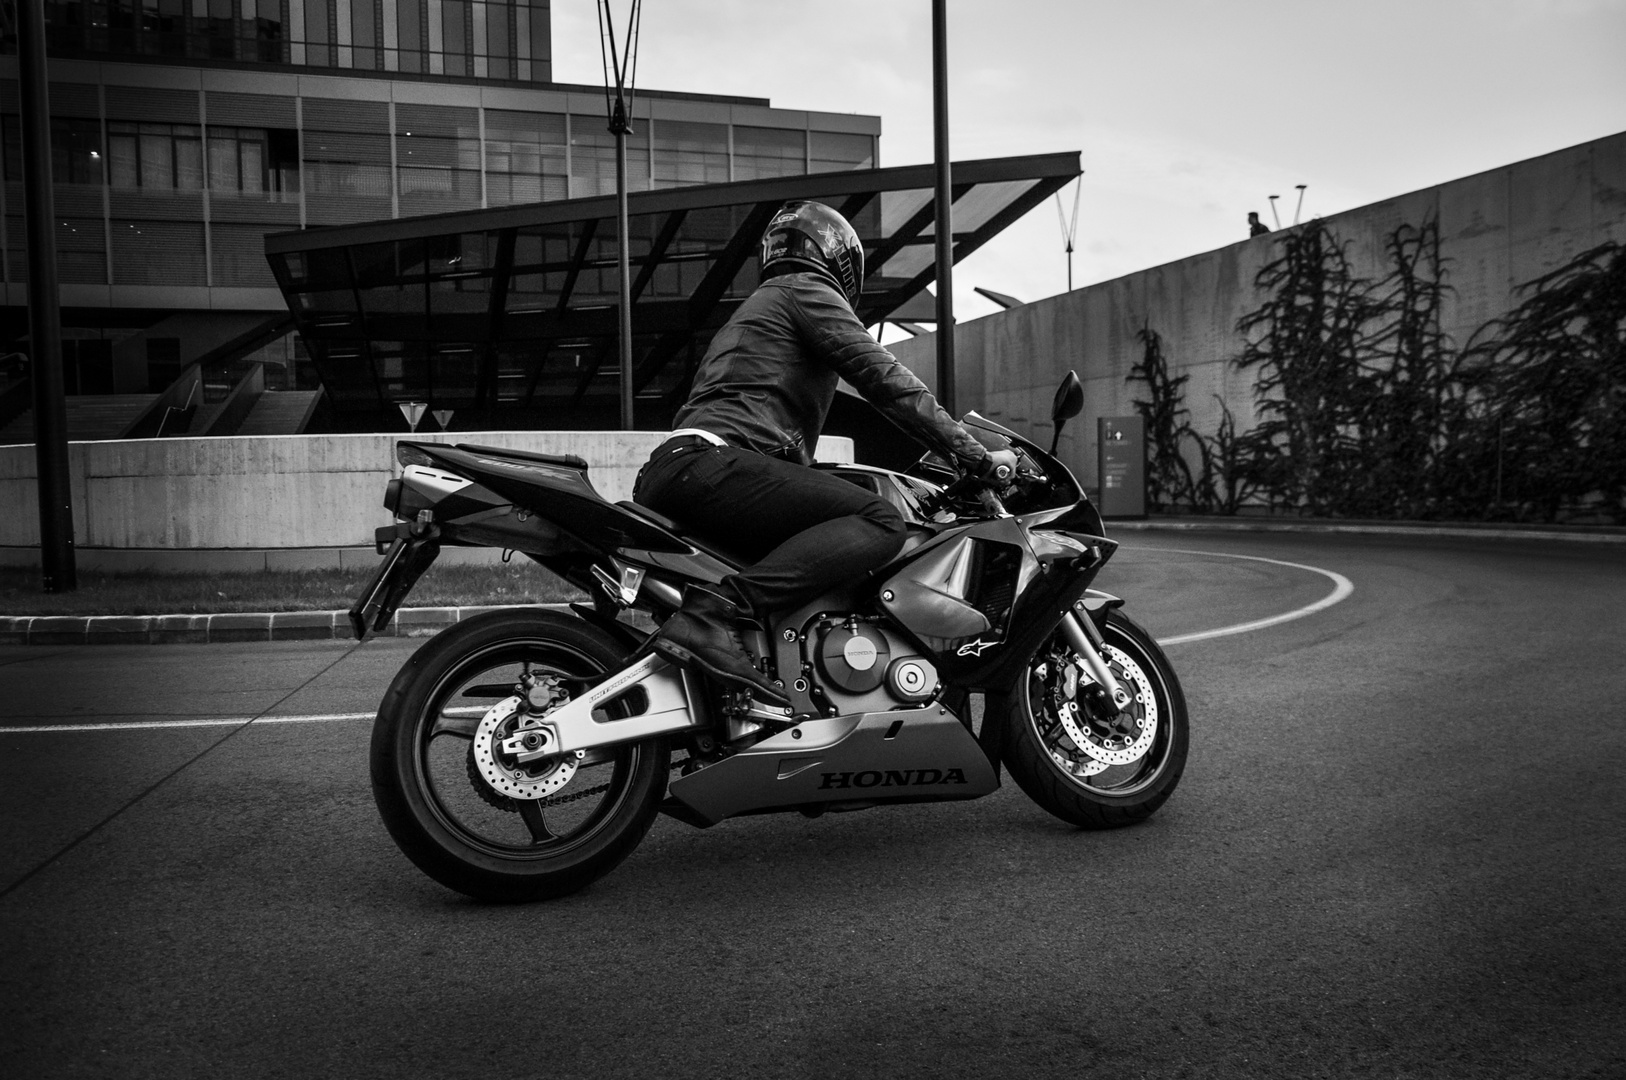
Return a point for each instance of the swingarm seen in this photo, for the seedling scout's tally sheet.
(649, 698)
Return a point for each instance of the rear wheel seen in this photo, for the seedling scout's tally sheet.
(1077, 759)
(477, 819)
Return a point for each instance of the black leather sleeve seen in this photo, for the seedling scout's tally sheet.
(833, 332)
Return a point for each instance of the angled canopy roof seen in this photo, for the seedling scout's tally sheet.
(512, 311)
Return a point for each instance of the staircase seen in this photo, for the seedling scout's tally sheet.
(280, 412)
(90, 416)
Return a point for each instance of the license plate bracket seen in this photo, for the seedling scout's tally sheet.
(408, 557)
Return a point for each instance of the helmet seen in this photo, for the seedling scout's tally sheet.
(811, 236)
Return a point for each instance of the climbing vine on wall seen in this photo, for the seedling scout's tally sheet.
(1367, 409)
(1543, 430)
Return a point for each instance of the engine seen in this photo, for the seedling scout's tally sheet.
(858, 664)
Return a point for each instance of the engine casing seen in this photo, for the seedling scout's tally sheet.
(858, 664)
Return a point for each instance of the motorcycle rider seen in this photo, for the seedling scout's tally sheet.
(736, 469)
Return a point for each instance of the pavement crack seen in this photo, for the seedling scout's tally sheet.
(167, 777)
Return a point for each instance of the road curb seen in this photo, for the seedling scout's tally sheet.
(425, 622)
(228, 627)
(1593, 534)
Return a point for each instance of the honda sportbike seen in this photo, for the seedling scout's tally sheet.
(523, 753)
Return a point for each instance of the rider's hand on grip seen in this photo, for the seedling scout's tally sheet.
(998, 468)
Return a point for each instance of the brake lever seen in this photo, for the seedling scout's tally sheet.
(992, 503)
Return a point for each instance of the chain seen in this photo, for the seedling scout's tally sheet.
(560, 800)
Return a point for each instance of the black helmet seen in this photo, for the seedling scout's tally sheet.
(811, 236)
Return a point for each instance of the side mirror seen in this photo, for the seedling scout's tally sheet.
(1068, 404)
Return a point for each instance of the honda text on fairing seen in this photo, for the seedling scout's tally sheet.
(519, 755)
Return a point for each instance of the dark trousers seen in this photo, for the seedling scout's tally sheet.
(802, 530)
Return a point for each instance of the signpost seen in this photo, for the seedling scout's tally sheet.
(1121, 466)
(443, 417)
(413, 411)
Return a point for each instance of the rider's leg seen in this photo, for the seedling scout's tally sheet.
(705, 634)
(806, 530)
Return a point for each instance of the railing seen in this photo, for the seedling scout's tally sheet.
(157, 416)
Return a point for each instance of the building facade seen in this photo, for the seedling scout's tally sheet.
(184, 132)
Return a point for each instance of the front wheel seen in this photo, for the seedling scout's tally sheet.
(478, 820)
(1076, 759)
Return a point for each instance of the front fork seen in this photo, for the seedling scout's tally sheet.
(1085, 639)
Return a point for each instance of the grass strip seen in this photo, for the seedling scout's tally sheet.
(137, 593)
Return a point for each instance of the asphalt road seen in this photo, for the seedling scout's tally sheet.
(1399, 851)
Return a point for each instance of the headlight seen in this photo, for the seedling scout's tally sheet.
(411, 455)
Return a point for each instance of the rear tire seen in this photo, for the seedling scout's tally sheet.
(1067, 780)
(449, 821)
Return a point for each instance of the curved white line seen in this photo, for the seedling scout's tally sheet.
(1342, 588)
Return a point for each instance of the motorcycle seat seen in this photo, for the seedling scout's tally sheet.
(570, 461)
(654, 517)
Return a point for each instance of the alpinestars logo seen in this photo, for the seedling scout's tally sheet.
(832, 239)
(891, 778)
(974, 648)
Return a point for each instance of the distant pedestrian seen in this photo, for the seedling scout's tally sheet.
(1255, 226)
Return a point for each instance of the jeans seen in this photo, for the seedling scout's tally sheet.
(803, 530)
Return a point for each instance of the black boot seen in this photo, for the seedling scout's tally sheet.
(705, 634)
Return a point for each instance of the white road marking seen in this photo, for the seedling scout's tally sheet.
(1342, 588)
(223, 721)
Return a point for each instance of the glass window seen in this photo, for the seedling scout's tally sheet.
(836, 152)
(763, 152)
(525, 157)
(76, 150)
(437, 154)
(592, 157)
(690, 153)
(225, 169)
(155, 157)
(240, 160)
(455, 16)
(346, 160)
(409, 34)
(364, 37)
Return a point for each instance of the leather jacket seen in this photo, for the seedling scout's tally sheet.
(767, 380)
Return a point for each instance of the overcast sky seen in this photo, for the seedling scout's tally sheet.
(1187, 113)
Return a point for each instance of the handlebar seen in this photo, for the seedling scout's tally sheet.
(986, 496)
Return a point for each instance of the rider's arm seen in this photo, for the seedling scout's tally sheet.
(834, 333)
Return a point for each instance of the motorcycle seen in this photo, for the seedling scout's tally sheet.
(520, 754)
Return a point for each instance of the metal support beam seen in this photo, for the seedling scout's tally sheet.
(1038, 193)
(657, 252)
(58, 569)
(502, 273)
(584, 244)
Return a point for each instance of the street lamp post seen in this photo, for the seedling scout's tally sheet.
(622, 65)
(945, 209)
(58, 570)
(1069, 228)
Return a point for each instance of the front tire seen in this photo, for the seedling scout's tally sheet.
(450, 821)
(1120, 777)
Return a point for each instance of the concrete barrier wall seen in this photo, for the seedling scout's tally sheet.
(279, 502)
(1498, 230)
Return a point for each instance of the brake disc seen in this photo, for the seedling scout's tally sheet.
(1117, 748)
(532, 780)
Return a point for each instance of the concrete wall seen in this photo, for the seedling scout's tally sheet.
(1498, 230)
(263, 502)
